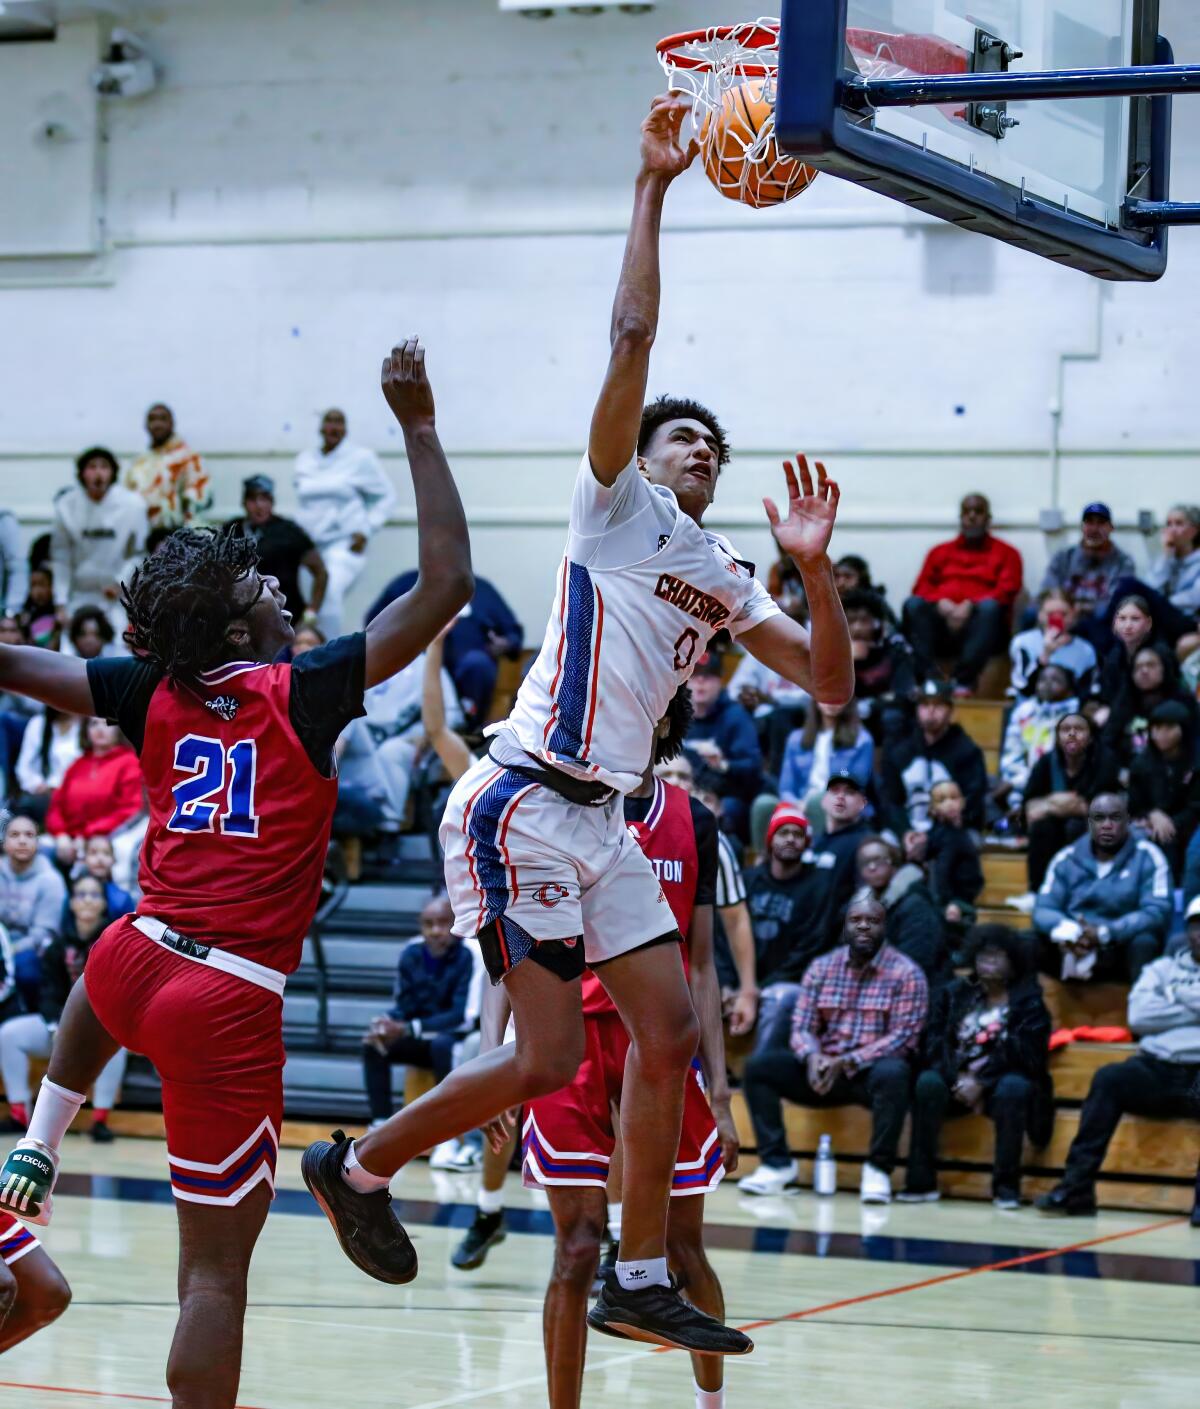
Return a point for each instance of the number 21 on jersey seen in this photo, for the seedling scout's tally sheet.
(206, 792)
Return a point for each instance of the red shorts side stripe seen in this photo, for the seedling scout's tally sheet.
(230, 1180)
(15, 1240)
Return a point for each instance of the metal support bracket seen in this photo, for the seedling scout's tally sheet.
(992, 55)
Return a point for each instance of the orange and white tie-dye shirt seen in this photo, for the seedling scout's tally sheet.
(171, 478)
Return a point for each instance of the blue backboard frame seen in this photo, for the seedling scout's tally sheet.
(814, 124)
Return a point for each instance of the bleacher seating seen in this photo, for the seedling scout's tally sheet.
(349, 965)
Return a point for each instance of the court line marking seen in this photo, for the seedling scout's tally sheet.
(423, 1331)
(957, 1276)
(101, 1393)
(1039, 1332)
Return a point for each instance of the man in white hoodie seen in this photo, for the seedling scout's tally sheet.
(344, 496)
(98, 537)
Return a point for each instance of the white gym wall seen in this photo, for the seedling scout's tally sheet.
(312, 180)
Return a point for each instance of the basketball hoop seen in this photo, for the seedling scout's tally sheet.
(752, 48)
(731, 73)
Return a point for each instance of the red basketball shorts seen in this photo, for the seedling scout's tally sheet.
(568, 1138)
(217, 1043)
(15, 1240)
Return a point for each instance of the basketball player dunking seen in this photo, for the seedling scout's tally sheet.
(237, 755)
(569, 1136)
(539, 863)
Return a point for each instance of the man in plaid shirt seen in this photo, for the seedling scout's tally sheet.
(857, 1020)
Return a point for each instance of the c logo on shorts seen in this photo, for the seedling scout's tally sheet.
(550, 894)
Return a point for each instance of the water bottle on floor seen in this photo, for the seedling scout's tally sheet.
(825, 1168)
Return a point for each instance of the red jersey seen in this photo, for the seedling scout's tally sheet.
(241, 789)
(679, 837)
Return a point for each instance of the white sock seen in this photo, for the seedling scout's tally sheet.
(490, 1200)
(649, 1272)
(359, 1178)
(53, 1112)
(614, 1221)
(710, 1398)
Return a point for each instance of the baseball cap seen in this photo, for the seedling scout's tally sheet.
(786, 815)
(258, 484)
(1101, 511)
(1193, 909)
(710, 663)
(937, 690)
(843, 775)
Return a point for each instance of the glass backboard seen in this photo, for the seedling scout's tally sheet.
(1073, 154)
(1053, 176)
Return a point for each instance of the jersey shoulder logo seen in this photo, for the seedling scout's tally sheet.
(551, 894)
(224, 706)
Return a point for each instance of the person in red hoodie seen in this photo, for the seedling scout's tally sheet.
(100, 792)
(962, 601)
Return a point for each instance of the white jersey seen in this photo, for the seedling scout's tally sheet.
(641, 592)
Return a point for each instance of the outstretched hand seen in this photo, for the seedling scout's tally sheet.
(805, 533)
(406, 384)
(663, 151)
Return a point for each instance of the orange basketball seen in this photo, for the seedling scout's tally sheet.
(740, 155)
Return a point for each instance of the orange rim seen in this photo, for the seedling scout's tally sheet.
(752, 34)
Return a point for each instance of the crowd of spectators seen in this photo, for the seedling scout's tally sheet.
(74, 811)
(865, 828)
(851, 840)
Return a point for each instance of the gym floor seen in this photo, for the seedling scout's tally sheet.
(929, 1306)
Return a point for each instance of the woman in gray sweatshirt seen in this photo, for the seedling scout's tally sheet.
(32, 895)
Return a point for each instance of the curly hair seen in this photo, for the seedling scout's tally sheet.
(180, 601)
(675, 408)
(679, 720)
(95, 617)
(1004, 938)
(97, 452)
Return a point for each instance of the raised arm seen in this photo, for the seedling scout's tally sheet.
(618, 414)
(819, 659)
(444, 583)
(449, 747)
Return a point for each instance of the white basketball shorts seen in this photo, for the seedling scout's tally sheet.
(546, 868)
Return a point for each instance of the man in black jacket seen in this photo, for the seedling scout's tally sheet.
(790, 898)
(429, 1008)
(846, 828)
(936, 750)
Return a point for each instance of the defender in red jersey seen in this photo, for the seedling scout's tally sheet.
(569, 1137)
(237, 753)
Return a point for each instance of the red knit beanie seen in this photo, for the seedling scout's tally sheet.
(787, 813)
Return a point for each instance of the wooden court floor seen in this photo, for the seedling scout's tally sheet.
(852, 1308)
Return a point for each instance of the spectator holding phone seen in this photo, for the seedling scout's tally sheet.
(1052, 642)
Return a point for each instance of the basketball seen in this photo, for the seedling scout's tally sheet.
(740, 155)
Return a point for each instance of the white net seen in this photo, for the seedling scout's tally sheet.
(730, 72)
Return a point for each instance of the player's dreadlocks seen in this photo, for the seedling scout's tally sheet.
(677, 408)
(679, 720)
(181, 600)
